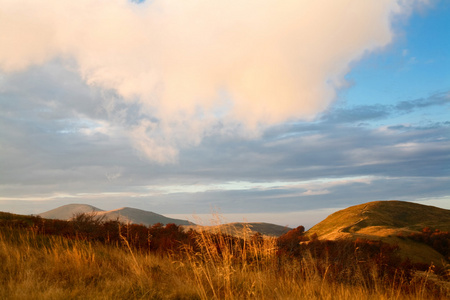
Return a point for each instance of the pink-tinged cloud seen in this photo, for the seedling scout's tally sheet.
(194, 64)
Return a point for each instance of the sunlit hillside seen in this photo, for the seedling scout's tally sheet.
(388, 221)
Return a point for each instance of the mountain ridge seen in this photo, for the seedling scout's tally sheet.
(387, 221)
(124, 214)
(69, 210)
(148, 218)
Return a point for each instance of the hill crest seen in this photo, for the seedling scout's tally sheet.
(388, 221)
(398, 216)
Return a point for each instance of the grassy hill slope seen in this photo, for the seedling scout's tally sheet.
(387, 221)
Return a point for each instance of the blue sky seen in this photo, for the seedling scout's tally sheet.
(414, 66)
(263, 113)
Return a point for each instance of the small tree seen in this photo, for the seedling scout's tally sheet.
(290, 241)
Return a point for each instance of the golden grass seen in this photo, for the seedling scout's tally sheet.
(48, 267)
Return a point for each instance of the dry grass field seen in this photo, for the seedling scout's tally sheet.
(214, 266)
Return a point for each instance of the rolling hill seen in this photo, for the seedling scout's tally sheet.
(387, 221)
(124, 214)
(138, 216)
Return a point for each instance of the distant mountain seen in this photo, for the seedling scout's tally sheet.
(66, 212)
(138, 216)
(386, 221)
(241, 229)
(125, 214)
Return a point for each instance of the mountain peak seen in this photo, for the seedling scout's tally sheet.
(66, 212)
(124, 214)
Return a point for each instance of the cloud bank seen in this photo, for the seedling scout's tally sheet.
(198, 68)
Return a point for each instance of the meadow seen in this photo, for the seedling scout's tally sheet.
(90, 259)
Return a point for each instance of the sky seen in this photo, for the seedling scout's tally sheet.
(258, 111)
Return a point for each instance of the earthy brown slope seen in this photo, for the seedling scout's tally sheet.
(386, 220)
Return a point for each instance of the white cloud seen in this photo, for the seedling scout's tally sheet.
(194, 65)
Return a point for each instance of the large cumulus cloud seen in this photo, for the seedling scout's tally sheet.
(196, 68)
